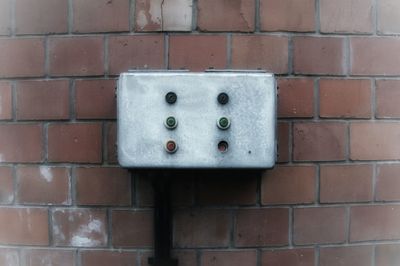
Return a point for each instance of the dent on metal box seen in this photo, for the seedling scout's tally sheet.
(196, 120)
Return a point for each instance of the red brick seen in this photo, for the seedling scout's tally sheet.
(79, 227)
(107, 258)
(41, 16)
(201, 228)
(103, 186)
(354, 256)
(76, 56)
(237, 190)
(132, 229)
(24, 226)
(387, 255)
(287, 15)
(21, 143)
(95, 99)
(388, 183)
(22, 57)
(388, 16)
(288, 257)
(42, 100)
(45, 257)
(375, 223)
(319, 55)
(111, 131)
(381, 142)
(259, 51)
(5, 17)
(296, 98)
(210, 52)
(283, 142)
(375, 56)
(223, 15)
(271, 228)
(319, 225)
(288, 185)
(5, 100)
(136, 51)
(347, 16)
(319, 141)
(43, 185)
(100, 15)
(75, 143)
(345, 183)
(387, 98)
(144, 191)
(6, 185)
(345, 98)
(229, 258)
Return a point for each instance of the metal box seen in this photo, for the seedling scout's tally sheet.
(223, 119)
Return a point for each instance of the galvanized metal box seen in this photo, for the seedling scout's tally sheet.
(205, 103)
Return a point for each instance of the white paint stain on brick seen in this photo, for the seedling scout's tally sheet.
(10, 259)
(1, 157)
(84, 236)
(58, 233)
(46, 173)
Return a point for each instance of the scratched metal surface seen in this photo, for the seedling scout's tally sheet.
(142, 110)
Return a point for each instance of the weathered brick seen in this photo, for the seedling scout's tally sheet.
(42, 100)
(95, 99)
(45, 257)
(388, 183)
(345, 98)
(288, 185)
(387, 255)
(319, 55)
(9, 257)
(6, 185)
(79, 227)
(319, 141)
(387, 98)
(287, 15)
(24, 226)
(271, 228)
(210, 52)
(107, 258)
(5, 17)
(136, 51)
(388, 16)
(223, 15)
(345, 183)
(159, 15)
(319, 225)
(201, 228)
(229, 258)
(76, 56)
(21, 143)
(381, 142)
(184, 257)
(132, 229)
(375, 56)
(237, 190)
(103, 186)
(379, 222)
(259, 51)
(41, 16)
(288, 257)
(22, 57)
(111, 131)
(346, 16)
(283, 142)
(43, 185)
(5, 101)
(100, 15)
(75, 142)
(354, 256)
(296, 98)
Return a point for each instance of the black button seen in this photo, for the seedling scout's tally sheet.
(171, 97)
(223, 98)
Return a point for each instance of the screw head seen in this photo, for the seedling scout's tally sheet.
(171, 122)
(223, 98)
(171, 97)
(223, 123)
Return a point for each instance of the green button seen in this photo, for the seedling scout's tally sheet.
(223, 123)
(171, 122)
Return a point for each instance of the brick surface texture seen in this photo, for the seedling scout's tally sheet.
(333, 199)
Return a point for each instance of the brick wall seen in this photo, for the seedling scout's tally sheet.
(333, 199)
